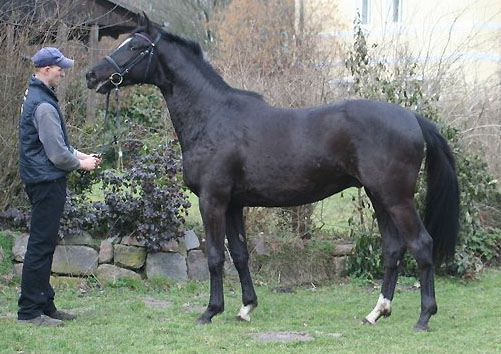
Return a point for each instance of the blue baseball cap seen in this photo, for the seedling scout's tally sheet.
(48, 56)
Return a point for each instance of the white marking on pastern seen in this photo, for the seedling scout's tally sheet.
(383, 307)
(245, 311)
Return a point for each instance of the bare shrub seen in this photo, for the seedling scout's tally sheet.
(475, 109)
(260, 46)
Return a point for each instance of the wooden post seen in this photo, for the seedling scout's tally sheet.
(93, 56)
(61, 40)
(10, 64)
(298, 24)
(299, 16)
(10, 38)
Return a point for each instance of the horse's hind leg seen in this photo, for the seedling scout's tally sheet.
(419, 243)
(393, 251)
(235, 232)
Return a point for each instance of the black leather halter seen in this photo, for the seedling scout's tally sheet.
(117, 77)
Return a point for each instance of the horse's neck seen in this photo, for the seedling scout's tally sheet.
(190, 100)
(188, 118)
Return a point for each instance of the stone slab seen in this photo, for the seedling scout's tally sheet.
(340, 266)
(191, 240)
(132, 241)
(259, 246)
(82, 239)
(197, 265)
(169, 246)
(74, 260)
(109, 273)
(229, 267)
(129, 256)
(167, 265)
(344, 249)
(106, 251)
(19, 247)
(17, 269)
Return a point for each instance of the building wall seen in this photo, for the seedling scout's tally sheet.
(460, 34)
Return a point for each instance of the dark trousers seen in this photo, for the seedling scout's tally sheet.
(47, 203)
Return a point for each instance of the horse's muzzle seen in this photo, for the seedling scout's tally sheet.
(92, 80)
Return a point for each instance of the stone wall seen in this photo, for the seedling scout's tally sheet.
(112, 259)
(109, 260)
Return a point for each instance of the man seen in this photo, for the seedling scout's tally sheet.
(46, 157)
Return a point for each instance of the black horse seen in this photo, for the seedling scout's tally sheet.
(238, 151)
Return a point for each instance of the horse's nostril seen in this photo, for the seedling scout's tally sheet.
(90, 75)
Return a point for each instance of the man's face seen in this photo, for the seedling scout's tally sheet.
(54, 75)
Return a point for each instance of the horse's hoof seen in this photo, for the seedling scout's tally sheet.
(421, 328)
(203, 320)
(241, 319)
(366, 321)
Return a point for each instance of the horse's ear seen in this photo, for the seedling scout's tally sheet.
(144, 21)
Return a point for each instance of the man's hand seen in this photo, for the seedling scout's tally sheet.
(90, 163)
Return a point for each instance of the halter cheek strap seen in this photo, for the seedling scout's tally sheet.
(117, 77)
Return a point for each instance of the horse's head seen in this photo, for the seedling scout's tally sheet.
(133, 62)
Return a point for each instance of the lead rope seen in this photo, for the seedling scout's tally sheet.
(116, 138)
(119, 132)
(103, 144)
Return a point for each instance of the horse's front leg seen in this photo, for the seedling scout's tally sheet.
(213, 216)
(235, 232)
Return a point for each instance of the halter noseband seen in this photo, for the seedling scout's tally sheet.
(117, 77)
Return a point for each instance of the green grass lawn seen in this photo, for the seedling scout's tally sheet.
(117, 320)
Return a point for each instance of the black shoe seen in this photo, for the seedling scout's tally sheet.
(62, 316)
(43, 320)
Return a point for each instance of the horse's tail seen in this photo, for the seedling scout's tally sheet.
(441, 216)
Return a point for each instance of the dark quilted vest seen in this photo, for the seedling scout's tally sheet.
(34, 165)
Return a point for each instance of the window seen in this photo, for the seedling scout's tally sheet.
(396, 10)
(363, 11)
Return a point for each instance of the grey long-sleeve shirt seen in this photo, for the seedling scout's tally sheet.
(50, 133)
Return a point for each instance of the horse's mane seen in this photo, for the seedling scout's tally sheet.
(205, 68)
(189, 44)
